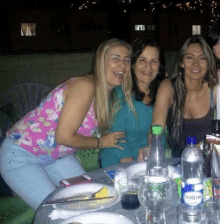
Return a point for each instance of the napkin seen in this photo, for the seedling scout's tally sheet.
(63, 214)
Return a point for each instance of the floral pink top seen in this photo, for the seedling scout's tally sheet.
(35, 132)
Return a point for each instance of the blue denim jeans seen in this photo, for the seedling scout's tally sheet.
(33, 178)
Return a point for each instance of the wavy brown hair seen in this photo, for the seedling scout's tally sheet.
(176, 112)
(106, 107)
(138, 46)
(213, 38)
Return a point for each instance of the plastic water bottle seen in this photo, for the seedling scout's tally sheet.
(157, 164)
(192, 173)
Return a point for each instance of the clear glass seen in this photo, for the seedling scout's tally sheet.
(194, 215)
(151, 217)
(120, 173)
(129, 193)
(154, 192)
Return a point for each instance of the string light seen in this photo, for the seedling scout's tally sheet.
(201, 5)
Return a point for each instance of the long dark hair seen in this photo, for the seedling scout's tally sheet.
(213, 38)
(138, 47)
(177, 78)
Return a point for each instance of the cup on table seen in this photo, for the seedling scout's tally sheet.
(149, 217)
(119, 173)
(129, 193)
(212, 212)
(154, 194)
(188, 214)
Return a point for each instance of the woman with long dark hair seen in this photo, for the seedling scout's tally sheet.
(213, 39)
(147, 70)
(185, 102)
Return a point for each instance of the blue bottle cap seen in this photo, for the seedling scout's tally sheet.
(191, 140)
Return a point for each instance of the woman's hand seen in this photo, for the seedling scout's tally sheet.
(126, 160)
(111, 140)
(143, 154)
(213, 139)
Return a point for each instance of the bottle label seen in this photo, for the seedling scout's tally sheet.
(192, 194)
(207, 189)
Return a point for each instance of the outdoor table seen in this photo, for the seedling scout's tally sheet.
(42, 213)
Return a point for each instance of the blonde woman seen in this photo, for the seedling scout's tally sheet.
(39, 149)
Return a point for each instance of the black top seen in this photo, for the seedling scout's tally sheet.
(197, 127)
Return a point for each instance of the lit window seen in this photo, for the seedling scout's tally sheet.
(28, 29)
(139, 27)
(151, 27)
(196, 29)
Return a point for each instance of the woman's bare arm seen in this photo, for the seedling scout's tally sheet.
(163, 103)
(79, 96)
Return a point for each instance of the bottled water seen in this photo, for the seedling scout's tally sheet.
(192, 173)
(157, 163)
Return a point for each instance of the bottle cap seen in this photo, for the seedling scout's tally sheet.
(156, 129)
(191, 140)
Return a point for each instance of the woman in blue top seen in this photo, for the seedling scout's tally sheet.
(147, 69)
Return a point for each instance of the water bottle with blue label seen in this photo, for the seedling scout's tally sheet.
(192, 173)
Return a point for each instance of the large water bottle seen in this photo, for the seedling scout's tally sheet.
(192, 173)
(157, 164)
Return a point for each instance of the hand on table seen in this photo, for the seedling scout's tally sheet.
(111, 140)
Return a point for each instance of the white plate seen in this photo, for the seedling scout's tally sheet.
(139, 169)
(85, 189)
(99, 218)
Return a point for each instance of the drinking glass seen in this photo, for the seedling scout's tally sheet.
(189, 214)
(150, 217)
(120, 173)
(154, 192)
(129, 194)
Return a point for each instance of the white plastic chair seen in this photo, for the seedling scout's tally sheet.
(26, 96)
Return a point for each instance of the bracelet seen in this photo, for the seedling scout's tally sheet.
(98, 143)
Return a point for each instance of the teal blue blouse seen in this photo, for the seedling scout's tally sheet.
(136, 130)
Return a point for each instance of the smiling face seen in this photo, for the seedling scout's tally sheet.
(195, 62)
(216, 49)
(147, 65)
(117, 66)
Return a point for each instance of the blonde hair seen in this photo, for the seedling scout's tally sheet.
(104, 112)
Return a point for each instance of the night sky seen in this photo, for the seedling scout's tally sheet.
(57, 4)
